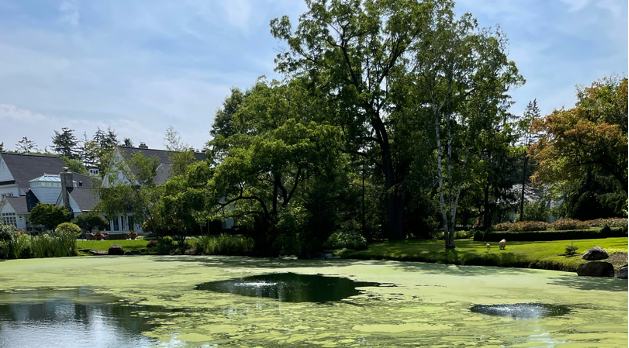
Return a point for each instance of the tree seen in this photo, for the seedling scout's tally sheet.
(127, 142)
(1, 146)
(26, 145)
(65, 143)
(224, 115)
(74, 165)
(278, 149)
(460, 78)
(49, 215)
(531, 113)
(91, 220)
(172, 141)
(130, 188)
(589, 138)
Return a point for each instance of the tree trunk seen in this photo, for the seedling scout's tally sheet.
(524, 167)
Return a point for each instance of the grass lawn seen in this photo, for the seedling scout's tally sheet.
(105, 244)
(544, 255)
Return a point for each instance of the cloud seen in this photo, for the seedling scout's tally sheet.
(17, 122)
(70, 12)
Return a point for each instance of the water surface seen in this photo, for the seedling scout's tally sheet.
(154, 300)
(289, 287)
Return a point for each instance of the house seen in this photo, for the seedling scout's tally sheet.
(122, 156)
(26, 180)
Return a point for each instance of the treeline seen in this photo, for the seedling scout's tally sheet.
(392, 121)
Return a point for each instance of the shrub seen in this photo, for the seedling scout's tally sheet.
(571, 249)
(457, 235)
(550, 235)
(611, 222)
(68, 227)
(91, 221)
(19, 245)
(504, 226)
(224, 245)
(521, 226)
(48, 215)
(570, 224)
(346, 240)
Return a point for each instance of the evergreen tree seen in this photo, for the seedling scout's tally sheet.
(26, 146)
(65, 143)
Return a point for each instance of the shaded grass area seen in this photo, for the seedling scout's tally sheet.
(105, 244)
(542, 255)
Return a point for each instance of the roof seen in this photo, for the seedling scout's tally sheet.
(47, 177)
(85, 198)
(164, 156)
(25, 167)
(18, 203)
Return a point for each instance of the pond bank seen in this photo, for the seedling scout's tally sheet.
(540, 255)
(427, 304)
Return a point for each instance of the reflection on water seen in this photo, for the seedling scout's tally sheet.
(522, 310)
(71, 318)
(289, 287)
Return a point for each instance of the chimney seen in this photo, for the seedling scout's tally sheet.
(66, 183)
(143, 146)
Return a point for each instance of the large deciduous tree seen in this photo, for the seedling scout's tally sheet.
(461, 74)
(280, 145)
(592, 135)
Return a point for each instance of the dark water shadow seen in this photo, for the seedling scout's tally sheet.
(590, 283)
(289, 287)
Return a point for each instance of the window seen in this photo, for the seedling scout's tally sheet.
(116, 225)
(9, 219)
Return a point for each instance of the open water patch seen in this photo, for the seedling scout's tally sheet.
(73, 318)
(522, 310)
(289, 287)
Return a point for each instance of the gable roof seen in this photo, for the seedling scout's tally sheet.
(25, 167)
(18, 203)
(85, 198)
(164, 156)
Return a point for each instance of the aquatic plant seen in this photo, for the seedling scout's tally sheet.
(224, 245)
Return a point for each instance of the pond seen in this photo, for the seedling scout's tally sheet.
(187, 301)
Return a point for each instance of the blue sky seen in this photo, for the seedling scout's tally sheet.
(139, 66)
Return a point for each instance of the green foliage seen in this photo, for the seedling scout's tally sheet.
(346, 240)
(65, 144)
(522, 226)
(68, 228)
(549, 235)
(570, 224)
(224, 245)
(19, 245)
(74, 165)
(48, 215)
(91, 220)
(571, 249)
(612, 222)
(457, 235)
(536, 210)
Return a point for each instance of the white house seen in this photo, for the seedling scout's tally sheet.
(26, 180)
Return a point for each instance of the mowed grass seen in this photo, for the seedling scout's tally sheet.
(543, 255)
(105, 244)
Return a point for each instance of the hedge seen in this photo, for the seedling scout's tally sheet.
(549, 235)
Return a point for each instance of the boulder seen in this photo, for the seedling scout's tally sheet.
(622, 272)
(596, 269)
(98, 252)
(115, 250)
(595, 253)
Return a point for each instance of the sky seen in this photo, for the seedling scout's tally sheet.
(141, 66)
